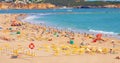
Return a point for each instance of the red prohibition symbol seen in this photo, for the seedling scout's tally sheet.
(31, 46)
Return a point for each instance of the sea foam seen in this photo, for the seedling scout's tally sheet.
(32, 19)
(103, 32)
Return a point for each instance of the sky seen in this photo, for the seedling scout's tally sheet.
(103, 0)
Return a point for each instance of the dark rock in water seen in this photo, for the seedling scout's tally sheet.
(14, 57)
(85, 7)
(78, 7)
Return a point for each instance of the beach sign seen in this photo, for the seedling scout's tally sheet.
(31, 46)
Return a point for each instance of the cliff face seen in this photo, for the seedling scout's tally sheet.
(44, 6)
(111, 6)
(26, 6)
(4, 6)
(119, 6)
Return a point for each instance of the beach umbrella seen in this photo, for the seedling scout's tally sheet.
(18, 32)
(28, 53)
(71, 42)
(56, 53)
(81, 50)
(56, 34)
(15, 51)
(105, 50)
(10, 28)
(67, 52)
(98, 36)
(1, 48)
(39, 49)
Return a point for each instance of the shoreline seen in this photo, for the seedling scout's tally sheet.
(48, 27)
(78, 31)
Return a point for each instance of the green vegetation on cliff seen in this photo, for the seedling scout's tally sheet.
(77, 2)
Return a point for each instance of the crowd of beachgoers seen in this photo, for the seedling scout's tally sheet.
(22, 39)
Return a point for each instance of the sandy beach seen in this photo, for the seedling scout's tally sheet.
(23, 42)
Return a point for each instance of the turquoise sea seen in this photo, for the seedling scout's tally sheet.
(94, 20)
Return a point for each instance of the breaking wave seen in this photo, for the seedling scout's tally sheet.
(103, 32)
(32, 19)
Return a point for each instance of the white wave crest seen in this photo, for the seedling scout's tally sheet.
(44, 13)
(30, 18)
(103, 32)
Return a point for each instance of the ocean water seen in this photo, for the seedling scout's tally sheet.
(102, 20)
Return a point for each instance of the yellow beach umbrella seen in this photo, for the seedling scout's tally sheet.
(39, 48)
(105, 50)
(81, 50)
(1, 48)
(28, 53)
(15, 52)
(47, 50)
(67, 52)
(56, 54)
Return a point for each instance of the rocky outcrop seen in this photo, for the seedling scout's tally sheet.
(32, 6)
(26, 6)
(105, 6)
(111, 6)
(4, 6)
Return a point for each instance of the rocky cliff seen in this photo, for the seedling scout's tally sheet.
(26, 6)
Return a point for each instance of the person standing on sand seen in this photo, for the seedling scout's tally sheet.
(83, 43)
(113, 43)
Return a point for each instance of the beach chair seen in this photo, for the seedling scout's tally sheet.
(15, 52)
(93, 50)
(99, 50)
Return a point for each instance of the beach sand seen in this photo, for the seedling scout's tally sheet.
(51, 45)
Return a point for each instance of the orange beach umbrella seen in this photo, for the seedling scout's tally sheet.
(98, 36)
